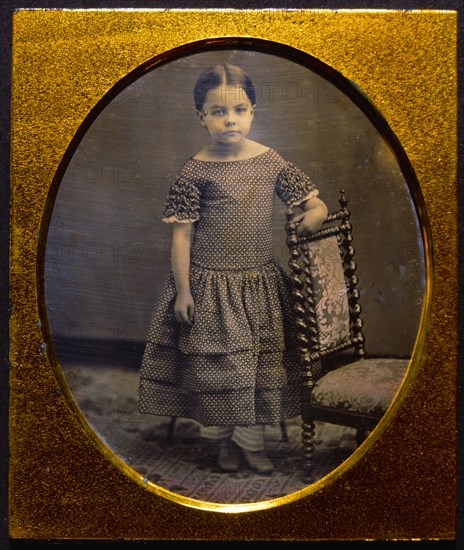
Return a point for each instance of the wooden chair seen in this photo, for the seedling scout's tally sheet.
(348, 389)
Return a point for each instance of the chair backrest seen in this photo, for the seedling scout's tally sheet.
(326, 297)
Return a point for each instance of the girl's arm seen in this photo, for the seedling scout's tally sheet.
(180, 259)
(315, 213)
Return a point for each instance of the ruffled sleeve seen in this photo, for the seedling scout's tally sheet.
(293, 186)
(182, 202)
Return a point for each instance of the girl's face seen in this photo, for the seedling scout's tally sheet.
(227, 114)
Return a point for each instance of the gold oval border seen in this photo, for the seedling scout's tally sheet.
(355, 95)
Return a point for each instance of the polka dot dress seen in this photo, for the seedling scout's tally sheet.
(237, 364)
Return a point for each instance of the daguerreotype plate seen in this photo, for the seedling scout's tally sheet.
(103, 120)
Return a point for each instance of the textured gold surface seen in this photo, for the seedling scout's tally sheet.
(64, 484)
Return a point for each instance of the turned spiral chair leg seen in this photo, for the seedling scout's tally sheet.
(309, 443)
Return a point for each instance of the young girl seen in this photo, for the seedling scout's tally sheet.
(221, 346)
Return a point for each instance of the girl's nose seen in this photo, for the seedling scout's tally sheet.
(230, 119)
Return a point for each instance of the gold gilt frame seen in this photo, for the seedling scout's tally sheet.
(64, 483)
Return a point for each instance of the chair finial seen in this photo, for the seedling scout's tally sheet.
(343, 200)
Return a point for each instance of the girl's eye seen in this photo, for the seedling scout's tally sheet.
(241, 110)
(217, 112)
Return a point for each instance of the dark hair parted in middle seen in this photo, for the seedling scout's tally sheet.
(223, 74)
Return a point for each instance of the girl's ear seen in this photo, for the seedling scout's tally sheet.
(201, 117)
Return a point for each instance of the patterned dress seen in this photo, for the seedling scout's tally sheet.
(237, 364)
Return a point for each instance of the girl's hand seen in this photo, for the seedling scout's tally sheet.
(314, 215)
(309, 222)
(184, 308)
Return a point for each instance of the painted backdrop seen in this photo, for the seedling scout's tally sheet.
(107, 251)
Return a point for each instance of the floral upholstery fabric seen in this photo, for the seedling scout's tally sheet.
(331, 303)
(366, 387)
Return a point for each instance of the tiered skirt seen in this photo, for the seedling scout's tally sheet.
(237, 364)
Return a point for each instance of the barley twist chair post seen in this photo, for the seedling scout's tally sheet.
(303, 305)
(352, 279)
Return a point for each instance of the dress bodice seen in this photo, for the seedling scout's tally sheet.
(232, 205)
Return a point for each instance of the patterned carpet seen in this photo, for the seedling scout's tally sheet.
(107, 397)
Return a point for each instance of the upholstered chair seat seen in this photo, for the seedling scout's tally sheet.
(365, 387)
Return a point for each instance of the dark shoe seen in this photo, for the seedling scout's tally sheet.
(257, 461)
(206, 453)
(229, 458)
